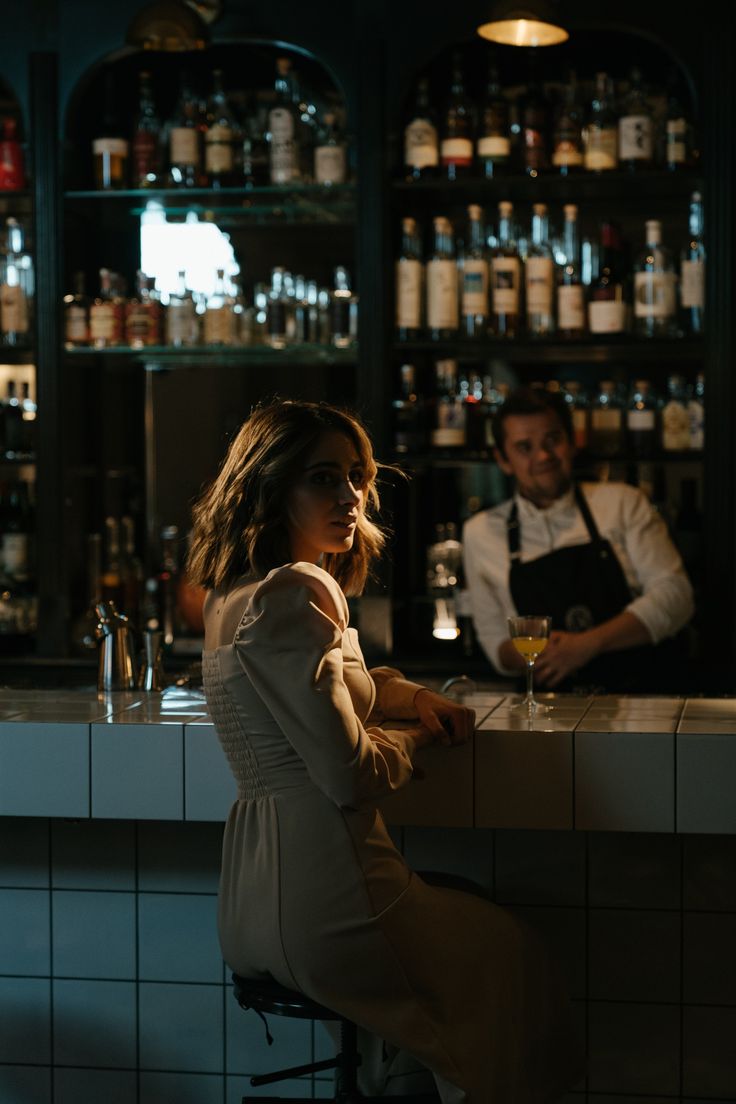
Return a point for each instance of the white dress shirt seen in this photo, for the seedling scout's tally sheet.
(662, 593)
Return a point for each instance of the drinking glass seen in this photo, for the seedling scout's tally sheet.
(529, 635)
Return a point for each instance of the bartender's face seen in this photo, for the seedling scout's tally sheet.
(327, 499)
(539, 455)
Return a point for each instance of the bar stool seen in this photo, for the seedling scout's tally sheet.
(268, 997)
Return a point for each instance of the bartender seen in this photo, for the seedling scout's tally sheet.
(596, 557)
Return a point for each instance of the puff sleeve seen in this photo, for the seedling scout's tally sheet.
(289, 645)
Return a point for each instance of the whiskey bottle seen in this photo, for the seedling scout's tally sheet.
(76, 315)
(474, 278)
(146, 167)
(567, 135)
(185, 159)
(106, 314)
(219, 317)
(110, 148)
(493, 144)
(642, 431)
(448, 430)
(505, 277)
(12, 169)
(600, 134)
(635, 126)
(181, 321)
(409, 283)
(283, 129)
(343, 311)
(16, 287)
(534, 126)
(220, 135)
(456, 146)
(606, 421)
(421, 143)
(607, 306)
(442, 284)
(143, 314)
(330, 155)
(692, 272)
(675, 416)
(539, 276)
(570, 290)
(654, 286)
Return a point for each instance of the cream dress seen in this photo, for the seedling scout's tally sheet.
(313, 892)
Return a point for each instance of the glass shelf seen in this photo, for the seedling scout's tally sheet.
(265, 205)
(584, 460)
(165, 356)
(654, 184)
(17, 354)
(558, 351)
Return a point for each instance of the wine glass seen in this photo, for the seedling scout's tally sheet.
(529, 635)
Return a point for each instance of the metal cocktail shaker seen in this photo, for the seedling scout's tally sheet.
(115, 669)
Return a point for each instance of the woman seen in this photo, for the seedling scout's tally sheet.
(313, 892)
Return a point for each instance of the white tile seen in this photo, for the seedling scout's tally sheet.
(443, 797)
(562, 931)
(180, 1088)
(24, 1014)
(24, 923)
(634, 955)
(25, 1084)
(710, 707)
(693, 726)
(95, 1024)
(138, 771)
(625, 781)
(45, 769)
(209, 785)
(644, 725)
(709, 961)
(523, 778)
(634, 870)
(72, 1086)
(634, 1048)
(180, 1027)
(179, 857)
(94, 934)
(540, 868)
(709, 1057)
(177, 937)
(706, 782)
(515, 722)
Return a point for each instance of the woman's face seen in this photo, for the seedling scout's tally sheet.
(324, 505)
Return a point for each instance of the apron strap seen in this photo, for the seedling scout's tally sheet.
(584, 508)
(513, 533)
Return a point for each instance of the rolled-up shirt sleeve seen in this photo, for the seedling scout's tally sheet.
(488, 611)
(666, 601)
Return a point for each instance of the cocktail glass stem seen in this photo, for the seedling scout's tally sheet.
(529, 701)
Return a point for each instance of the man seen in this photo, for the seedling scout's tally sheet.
(595, 556)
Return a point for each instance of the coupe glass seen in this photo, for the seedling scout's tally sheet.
(529, 635)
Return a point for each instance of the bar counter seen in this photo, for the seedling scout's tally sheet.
(628, 764)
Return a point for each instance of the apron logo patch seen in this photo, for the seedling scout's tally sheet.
(578, 619)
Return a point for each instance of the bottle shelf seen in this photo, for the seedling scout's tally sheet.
(17, 354)
(461, 458)
(558, 351)
(164, 356)
(264, 205)
(656, 184)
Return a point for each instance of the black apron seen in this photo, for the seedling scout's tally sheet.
(581, 586)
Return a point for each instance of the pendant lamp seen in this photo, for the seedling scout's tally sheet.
(523, 23)
(168, 25)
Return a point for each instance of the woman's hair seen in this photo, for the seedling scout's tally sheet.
(240, 519)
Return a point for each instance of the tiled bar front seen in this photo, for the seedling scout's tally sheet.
(609, 827)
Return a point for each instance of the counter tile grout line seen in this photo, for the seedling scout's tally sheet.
(50, 860)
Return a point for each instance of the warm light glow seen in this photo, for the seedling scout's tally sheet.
(523, 32)
(444, 626)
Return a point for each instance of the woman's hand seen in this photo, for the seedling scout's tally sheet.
(447, 721)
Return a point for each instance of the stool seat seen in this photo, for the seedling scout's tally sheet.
(268, 996)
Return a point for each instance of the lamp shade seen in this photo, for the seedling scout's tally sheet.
(523, 23)
(168, 25)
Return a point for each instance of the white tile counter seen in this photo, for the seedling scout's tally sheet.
(628, 764)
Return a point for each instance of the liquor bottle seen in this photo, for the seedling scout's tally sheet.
(305, 112)
(642, 432)
(505, 277)
(13, 432)
(567, 133)
(182, 324)
(607, 306)
(570, 290)
(254, 148)
(343, 311)
(110, 148)
(600, 135)
(577, 400)
(635, 126)
(30, 414)
(677, 128)
(540, 276)
(306, 312)
(481, 404)
(448, 430)
(474, 306)
(692, 272)
(606, 421)
(146, 167)
(675, 416)
(17, 527)
(277, 308)
(330, 154)
(106, 314)
(16, 287)
(409, 414)
(220, 135)
(283, 152)
(185, 158)
(654, 286)
(76, 315)
(534, 125)
(167, 580)
(696, 412)
(442, 284)
(493, 144)
(421, 142)
(219, 319)
(143, 314)
(409, 283)
(456, 145)
(12, 170)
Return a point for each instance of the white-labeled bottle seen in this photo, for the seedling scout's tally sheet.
(409, 283)
(182, 323)
(505, 277)
(539, 276)
(16, 287)
(675, 416)
(655, 285)
(635, 126)
(450, 413)
(330, 155)
(692, 272)
(421, 141)
(570, 290)
(474, 277)
(600, 134)
(283, 151)
(219, 316)
(442, 284)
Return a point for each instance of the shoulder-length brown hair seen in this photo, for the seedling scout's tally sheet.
(240, 518)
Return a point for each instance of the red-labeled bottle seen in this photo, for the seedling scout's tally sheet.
(12, 172)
